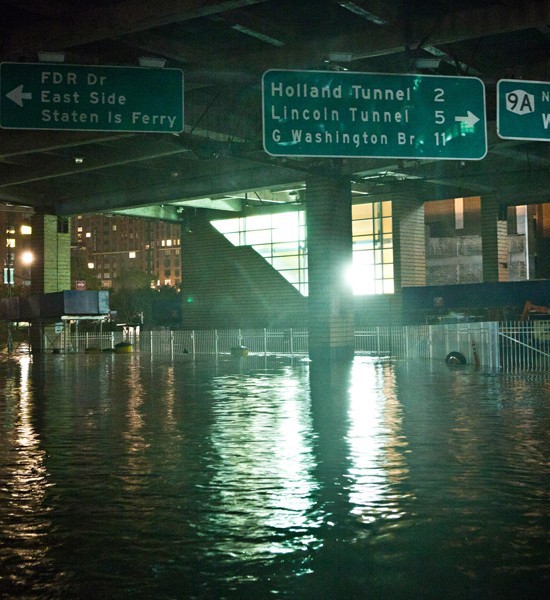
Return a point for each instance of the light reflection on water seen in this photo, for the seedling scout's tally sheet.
(125, 477)
(24, 482)
(267, 443)
(377, 447)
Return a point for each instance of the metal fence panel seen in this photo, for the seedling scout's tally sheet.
(509, 346)
(525, 346)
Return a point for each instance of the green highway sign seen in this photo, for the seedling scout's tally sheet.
(345, 114)
(523, 110)
(90, 98)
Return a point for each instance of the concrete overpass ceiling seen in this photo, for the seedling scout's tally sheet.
(223, 47)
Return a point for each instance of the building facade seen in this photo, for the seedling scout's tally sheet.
(253, 270)
(15, 247)
(107, 246)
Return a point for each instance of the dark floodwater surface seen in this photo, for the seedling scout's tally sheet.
(122, 476)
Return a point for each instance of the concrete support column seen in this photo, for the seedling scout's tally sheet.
(51, 246)
(51, 268)
(330, 306)
(494, 241)
(409, 245)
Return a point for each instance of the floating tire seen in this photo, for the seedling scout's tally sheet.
(455, 358)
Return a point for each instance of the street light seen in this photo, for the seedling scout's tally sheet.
(27, 258)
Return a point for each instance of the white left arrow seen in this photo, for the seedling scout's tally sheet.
(17, 95)
(470, 119)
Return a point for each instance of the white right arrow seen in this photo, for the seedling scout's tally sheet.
(470, 119)
(17, 95)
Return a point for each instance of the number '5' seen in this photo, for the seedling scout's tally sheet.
(439, 117)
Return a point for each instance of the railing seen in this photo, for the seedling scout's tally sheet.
(476, 342)
(525, 346)
(491, 345)
(265, 341)
(381, 341)
(258, 341)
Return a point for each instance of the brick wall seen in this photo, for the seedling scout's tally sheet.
(331, 315)
(494, 234)
(409, 246)
(51, 243)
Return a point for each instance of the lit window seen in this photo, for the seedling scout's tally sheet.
(131, 254)
(459, 213)
(521, 218)
(372, 266)
(26, 230)
(273, 236)
(281, 239)
(258, 222)
(91, 265)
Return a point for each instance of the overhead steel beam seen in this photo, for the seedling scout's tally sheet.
(160, 212)
(466, 24)
(137, 152)
(230, 176)
(379, 12)
(111, 21)
(18, 143)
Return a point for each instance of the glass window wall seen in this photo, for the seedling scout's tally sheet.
(280, 238)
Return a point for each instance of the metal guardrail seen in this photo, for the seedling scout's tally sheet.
(509, 346)
(525, 346)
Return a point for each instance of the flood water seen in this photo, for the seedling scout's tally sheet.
(123, 476)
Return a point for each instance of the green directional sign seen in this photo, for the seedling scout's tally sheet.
(90, 98)
(344, 114)
(523, 110)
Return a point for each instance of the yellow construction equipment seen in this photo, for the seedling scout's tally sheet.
(529, 308)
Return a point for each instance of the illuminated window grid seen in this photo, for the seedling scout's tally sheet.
(372, 234)
(280, 239)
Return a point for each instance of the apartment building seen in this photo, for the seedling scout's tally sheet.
(109, 245)
(15, 242)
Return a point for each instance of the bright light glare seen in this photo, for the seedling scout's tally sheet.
(361, 279)
(349, 274)
(27, 257)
